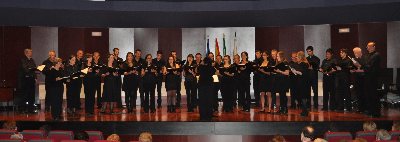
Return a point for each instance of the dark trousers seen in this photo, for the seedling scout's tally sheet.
(79, 88)
(149, 96)
(97, 91)
(205, 99)
(56, 100)
(294, 95)
(328, 87)
(314, 87)
(282, 99)
(244, 92)
(141, 92)
(89, 98)
(372, 100)
(47, 102)
(118, 93)
(159, 85)
(217, 87)
(236, 96)
(29, 85)
(73, 95)
(228, 96)
(178, 92)
(359, 86)
(191, 93)
(256, 87)
(342, 92)
(130, 97)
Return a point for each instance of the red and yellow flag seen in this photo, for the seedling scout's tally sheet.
(217, 47)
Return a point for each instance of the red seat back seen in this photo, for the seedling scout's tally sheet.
(6, 134)
(95, 135)
(73, 141)
(386, 141)
(395, 135)
(32, 134)
(58, 135)
(10, 140)
(40, 140)
(370, 136)
(338, 136)
(102, 141)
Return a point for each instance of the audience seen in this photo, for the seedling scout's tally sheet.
(278, 138)
(307, 134)
(359, 140)
(396, 126)
(369, 126)
(46, 129)
(81, 135)
(145, 137)
(12, 125)
(383, 135)
(320, 140)
(113, 138)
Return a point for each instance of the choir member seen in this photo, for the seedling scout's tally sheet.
(328, 85)
(206, 71)
(55, 88)
(256, 78)
(244, 77)
(302, 83)
(372, 68)
(171, 83)
(342, 81)
(265, 84)
(294, 96)
(281, 81)
(273, 59)
(48, 64)
(131, 82)
(160, 63)
(227, 84)
(238, 100)
(190, 82)
(198, 60)
(74, 84)
(314, 62)
(27, 80)
(178, 91)
(149, 74)
(80, 61)
(217, 85)
(89, 82)
(359, 78)
(110, 87)
(97, 83)
(140, 61)
(118, 61)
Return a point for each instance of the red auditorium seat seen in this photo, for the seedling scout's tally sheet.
(73, 141)
(395, 135)
(338, 136)
(6, 134)
(102, 141)
(369, 136)
(32, 134)
(95, 135)
(41, 140)
(386, 141)
(59, 135)
(10, 140)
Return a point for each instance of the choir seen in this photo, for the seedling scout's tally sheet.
(203, 79)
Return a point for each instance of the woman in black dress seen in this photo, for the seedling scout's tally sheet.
(171, 83)
(265, 82)
(149, 74)
(302, 81)
(190, 82)
(131, 82)
(206, 71)
(73, 83)
(89, 85)
(281, 81)
(55, 88)
(227, 83)
(110, 87)
(244, 71)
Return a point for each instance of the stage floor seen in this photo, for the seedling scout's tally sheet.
(182, 115)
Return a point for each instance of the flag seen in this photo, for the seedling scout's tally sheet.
(208, 46)
(216, 47)
(224, 48)
(235, 46)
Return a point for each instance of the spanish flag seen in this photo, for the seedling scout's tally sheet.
(217, 47)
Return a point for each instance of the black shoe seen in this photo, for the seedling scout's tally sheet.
(304, 113)
(152, 111)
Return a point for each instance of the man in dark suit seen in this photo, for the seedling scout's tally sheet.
(314, 62)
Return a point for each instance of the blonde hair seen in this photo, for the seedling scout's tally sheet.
(145, 137)
(113, 137)
(369, 126)
(357, 49)
(320, 140)
(301, 56)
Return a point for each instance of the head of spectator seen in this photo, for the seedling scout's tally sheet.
(278, 138)
(383, 135)
(369, 126)
(145, 137)
(396, 126)
(10, 125)
(359, 140)
(46, 129)
(307, 134)
(113, 138)
(320, 140)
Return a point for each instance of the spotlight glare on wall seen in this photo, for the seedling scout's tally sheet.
(96, 33)
(344, 30)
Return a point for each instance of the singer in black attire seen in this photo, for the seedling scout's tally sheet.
(73, 85)
(303, 81)
(160, 63)
(190, 82)
(328, 84)
(149, 74)
(217, 85)
(131, 82)
(281, 81)
(294, 95)
(256, 78)
(171, 83)
(178, 91)
(110, 88)
(371, 69)
(27, 80)
(342, 81)
(314, 62)
(118, 64)
(89, 82)
(48, 64)
(206, 71)
(55, 88)
(238, 99)
(359, 79)
(244, 78)
(97, 82)
(227, 84)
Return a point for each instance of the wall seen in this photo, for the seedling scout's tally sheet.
(146, 39)
(122, 38)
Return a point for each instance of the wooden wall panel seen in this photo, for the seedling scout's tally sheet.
(170, 39)
(291, 39)
(376, 32)
(70, 40)
(98, 43)
(344, 40)
(267, 38)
